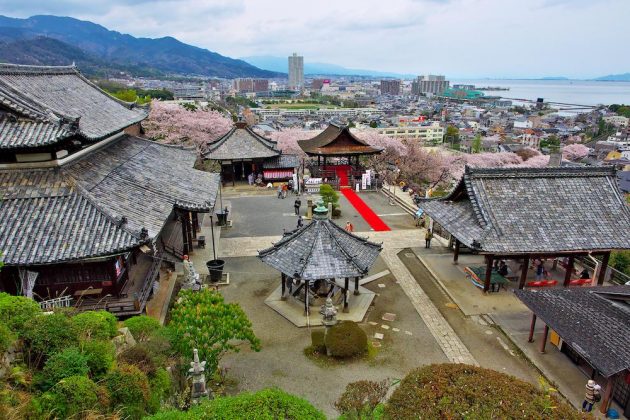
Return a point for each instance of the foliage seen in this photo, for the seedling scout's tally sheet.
(7, 338)
(329, 195)
(142, 327)
(100, 356)
(457, 391)
(527, 153)
(476, 144)
(361, 398)
(317, 340)
(620, 261)
(623, 110)
(452, 134)
(346, 339)
(139, 357)
(552, 143)
(160, 385)
(72, 397)
(129, 391)
(171, 123)
(575, 151)
(97, 325)
(66, 363)
(130, 95)
(267, 404)
(16, 311)
(202, 320)
(46, 335)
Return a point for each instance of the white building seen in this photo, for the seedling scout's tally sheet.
(296, 72)
(426, 134)
(617, 120)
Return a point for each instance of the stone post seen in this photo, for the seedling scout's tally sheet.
(196, 372)
(329, 318)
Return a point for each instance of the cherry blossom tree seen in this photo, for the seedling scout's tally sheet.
(288, 140)
(376, 139)
(171, 123)
(575, 151)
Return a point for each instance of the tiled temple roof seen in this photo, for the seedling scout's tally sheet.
(281, 162)
(18, 133)
(594, 321)
(61, 96)
(241, 143)
(529, 210)
(100, 204)
(321, 250)
(337, 140)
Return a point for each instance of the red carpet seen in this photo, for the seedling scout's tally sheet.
(367, 213)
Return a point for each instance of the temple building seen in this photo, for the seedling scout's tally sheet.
(88, 210)
(527, 213)
(242, 151)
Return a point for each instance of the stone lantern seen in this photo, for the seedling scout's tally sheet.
(198, 376)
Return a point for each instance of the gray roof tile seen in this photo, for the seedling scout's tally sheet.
(241, 143)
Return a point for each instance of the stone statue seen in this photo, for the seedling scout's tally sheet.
(196, 372)
(191, 277)
(329, 313)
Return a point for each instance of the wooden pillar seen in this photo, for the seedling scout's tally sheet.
(345, 294)
(306, 291)
(456, 253)
(606, 396)
(324, 162)
(532, 326)
(242, 169)
(356, 286)
(569, 272)
(603, 269)
(543, 343)
(189, 230)
(524, 270)
(283, 278)
(233, 174)
(187, 246)
(319, 163)
(486, 283)
(195, 223)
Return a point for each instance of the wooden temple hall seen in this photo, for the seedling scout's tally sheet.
(524, 214)
(89, 211)
(242, 151)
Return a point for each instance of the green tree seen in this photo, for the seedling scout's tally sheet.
(97, 325)
(202, 320)
(46, 335)
(373, 124)
(71, 397)
(329, 195)
(476, 144)
(100, 356)
(452, 136)
(16, 311)
(552, 143)
(142, 327)
(620, 260)
(129, 391)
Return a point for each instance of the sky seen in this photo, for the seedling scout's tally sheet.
(458, 38)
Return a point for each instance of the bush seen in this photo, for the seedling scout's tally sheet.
(7, 338)
(100, 357)
(97, 325)
(142, 327)
(317, 341)
(46, 335)
(71, 397)
(457, 391)
(329, 195)
(128, 388)
(346, 339)
(69, 362)
(336, 213)
(139, 357)
(160, 386)
(265, 404)
(361, 398)
(16, 311)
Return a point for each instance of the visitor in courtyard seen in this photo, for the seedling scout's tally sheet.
(540, 269)
(592, 395)
(250, 179)
(427, 238)
(503, 268)
(300, 222)
(585, 274)
(280, 191)
(285, 190)
(349, 227)
(297, 205)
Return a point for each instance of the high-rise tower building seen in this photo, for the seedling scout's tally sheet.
(390, 87)
(429, 84)
(296, 71)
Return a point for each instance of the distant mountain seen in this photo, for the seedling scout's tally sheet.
(624, 77)
(110, 50)
(281, 64)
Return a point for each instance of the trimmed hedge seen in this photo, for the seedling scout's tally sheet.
(96, 325)
(268, 404)
(142, 327)
(129, 390)
(346, 339)
(456, 391)
(72, 397)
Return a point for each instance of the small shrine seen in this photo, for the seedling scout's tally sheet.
(320, 261)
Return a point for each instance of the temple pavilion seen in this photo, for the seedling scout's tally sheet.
(320, 260)
(242, 151)
(527, 213)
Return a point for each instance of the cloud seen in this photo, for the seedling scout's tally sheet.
(454, 37)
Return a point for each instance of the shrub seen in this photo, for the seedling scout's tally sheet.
(47, 335)
(139, 357)
(97, 325)
(71, 397)
(16, 311)
(100, 356)
(336, 213)
(7, 338)
(69, 362)
(265, 404)
(128, 388)
(361, 398)
(456, 391)
(329, 195)
(317, 341)
(346, 339)
(160, 386)
(142, 327)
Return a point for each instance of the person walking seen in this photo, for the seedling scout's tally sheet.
(427, 238)
(592, 394)
(285, 190)
(297, 205)
(540, 269)
(279, 191)
(349, 227)
(300, 222)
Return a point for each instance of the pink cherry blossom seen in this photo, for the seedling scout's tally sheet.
(575, 151)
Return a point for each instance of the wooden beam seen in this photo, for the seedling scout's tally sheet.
(569, 272)
(456, 252)
(603, 268)
(486, 283)
(543, 343)
(524, 271)
(356, 286)
(283, 279)
(606, 396)
(306, 292)
(345, 294)
(532, 326)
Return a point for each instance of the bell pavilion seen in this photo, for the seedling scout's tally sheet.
(319, 261)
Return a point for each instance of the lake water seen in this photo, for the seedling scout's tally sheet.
(567, 91)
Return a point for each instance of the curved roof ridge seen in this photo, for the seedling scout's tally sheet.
(9, 68)
(343, 250)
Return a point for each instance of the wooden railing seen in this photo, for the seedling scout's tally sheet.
(58, 302)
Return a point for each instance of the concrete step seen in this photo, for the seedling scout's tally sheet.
(403, 204)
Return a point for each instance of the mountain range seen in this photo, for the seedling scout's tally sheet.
(54, 40)
(624, 77)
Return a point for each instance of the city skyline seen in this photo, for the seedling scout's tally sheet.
(459, 38)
